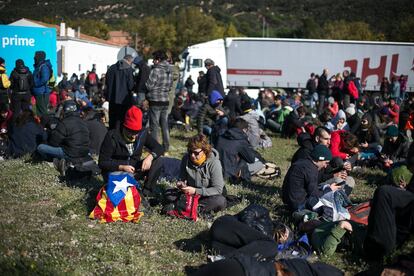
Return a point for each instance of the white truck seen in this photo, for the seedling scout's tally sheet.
(288, 63)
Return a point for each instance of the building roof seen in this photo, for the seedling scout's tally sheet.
(35, 23)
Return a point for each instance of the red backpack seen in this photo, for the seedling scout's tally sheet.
(353, 90)
(359, 213)
(186, 207)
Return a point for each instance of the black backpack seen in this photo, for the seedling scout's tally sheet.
(23, 82)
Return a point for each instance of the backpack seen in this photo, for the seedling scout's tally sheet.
(359, 213)
(353, 90)
(92, 78)
(23, 82)
(185, 207)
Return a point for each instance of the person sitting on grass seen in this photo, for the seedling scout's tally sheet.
(238, 158)
(391, 219)
(68, 141)
(201, 174)
(300, 188)
(121, 150)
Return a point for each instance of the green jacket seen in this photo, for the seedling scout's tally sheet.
(327, 236)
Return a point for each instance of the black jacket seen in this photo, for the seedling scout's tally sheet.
(298, 267)
(25, 139)
(306, 145)
(323, 85)
(300, 183)
(97, 132)
(291, 123)
(72, 135)
(397, 151)
(114, 151)
(214, 81)
(17, 75)
(235, 152)
(142, 77)
(232, 102)
(119, 83)
(354, 122)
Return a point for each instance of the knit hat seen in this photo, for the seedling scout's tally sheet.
(392, 131)
(321, 153)
(401, 174)
(69, 106)
(133, 119)
(331, 100)
(350, 110)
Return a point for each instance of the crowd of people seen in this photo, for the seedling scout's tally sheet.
(113, 119)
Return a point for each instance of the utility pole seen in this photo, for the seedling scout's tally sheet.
(264, 26)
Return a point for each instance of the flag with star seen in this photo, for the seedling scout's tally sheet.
(119, 200)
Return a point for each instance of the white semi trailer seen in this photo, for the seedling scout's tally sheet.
(287, 63)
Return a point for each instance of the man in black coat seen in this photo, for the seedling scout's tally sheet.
(323, 89)
(140, 79)
(97, 129)
(391, 219)
(122, 148)
(119, 85)
(213, 78)
(70, 139)
(21, 84)
(300, 188)
(238, 159)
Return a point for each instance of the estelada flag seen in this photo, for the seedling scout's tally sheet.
(119, 200)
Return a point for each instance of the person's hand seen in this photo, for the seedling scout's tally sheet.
(146, 164)
(345, 225)
(342, 174)
(188, 190)
(334, 187)
(126, 168)
(181, 184)
(348, 166)
(219, 112)
(364, 145)
(402, 184)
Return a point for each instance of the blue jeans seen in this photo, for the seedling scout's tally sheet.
(48, 152)
(158, 117)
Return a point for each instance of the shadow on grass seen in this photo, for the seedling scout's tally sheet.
(87, 203)
(373, 177)
(195, 244)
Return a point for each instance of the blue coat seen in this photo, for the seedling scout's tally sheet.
(41, 76)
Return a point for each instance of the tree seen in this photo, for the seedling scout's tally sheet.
(156, 33)
(405, 30)
(349, 31)
(231, 31)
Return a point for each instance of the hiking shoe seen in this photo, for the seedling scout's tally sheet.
(60, 165)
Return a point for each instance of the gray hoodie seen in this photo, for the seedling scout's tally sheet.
(207, 178)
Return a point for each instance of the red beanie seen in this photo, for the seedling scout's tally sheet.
(133, 119)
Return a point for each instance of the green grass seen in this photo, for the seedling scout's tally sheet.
(45, 229)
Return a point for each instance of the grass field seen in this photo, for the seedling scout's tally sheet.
(45, 230)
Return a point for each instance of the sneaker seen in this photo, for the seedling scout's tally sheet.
(215, 258)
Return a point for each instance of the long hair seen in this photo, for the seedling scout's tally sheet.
(24, 117)
(199, 141)
(349, 140)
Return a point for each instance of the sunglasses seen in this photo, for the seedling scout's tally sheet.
(196, 153)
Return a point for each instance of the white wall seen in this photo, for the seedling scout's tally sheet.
(85, 54)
